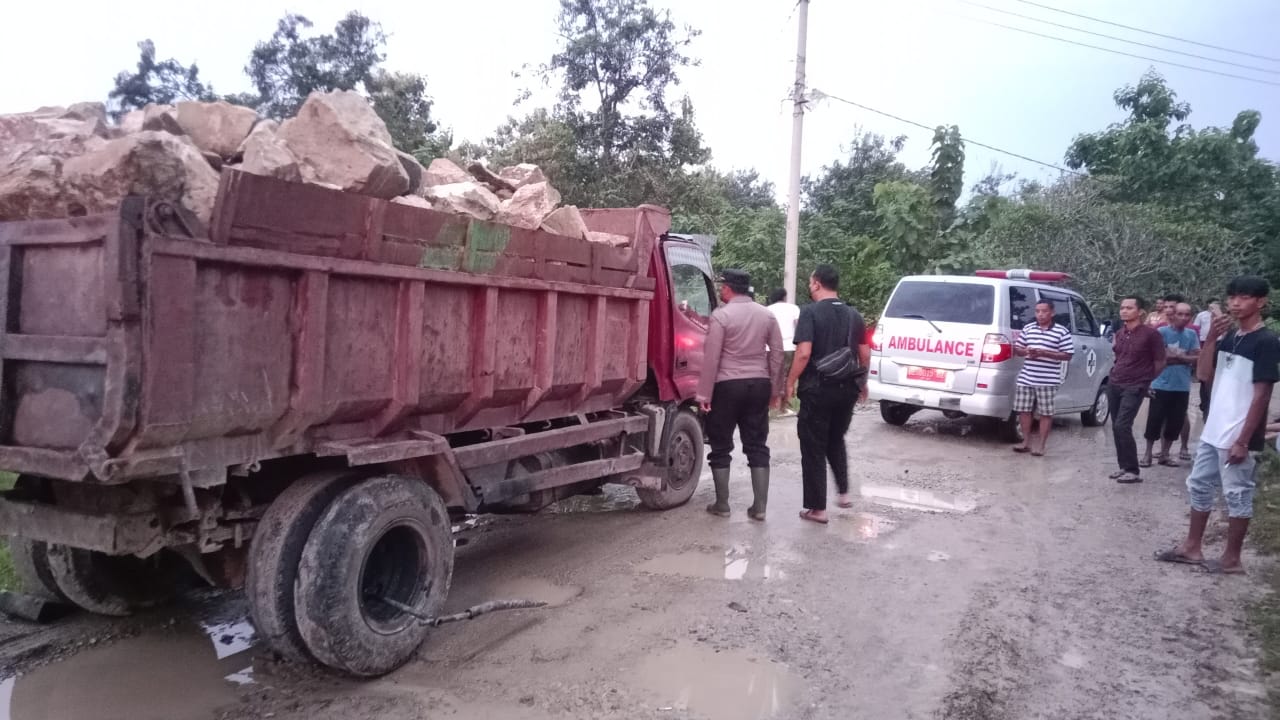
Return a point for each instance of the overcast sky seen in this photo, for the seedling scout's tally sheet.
(931, 61)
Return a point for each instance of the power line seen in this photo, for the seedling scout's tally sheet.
(1149, 32)
(1126, 54)
(816, 94)
(1118, 38)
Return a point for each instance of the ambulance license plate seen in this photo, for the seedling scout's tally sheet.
(929, 375)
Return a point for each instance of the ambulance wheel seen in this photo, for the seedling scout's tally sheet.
(1009, 430)
(378, 560)
(1097, 415)
(896, 414)
(685, 453)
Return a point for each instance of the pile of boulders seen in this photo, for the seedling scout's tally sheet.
(61, 162)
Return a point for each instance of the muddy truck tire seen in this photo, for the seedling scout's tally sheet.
(388, 537)
(111, 585)
(275, 553)
(31, 566)
(685, 454)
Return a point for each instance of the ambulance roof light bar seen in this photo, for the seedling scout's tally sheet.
(1032, 275)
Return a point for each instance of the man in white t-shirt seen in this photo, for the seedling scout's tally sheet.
(787, 314)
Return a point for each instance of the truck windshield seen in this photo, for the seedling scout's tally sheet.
(970, 303)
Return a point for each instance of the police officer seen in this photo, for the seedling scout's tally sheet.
(741, 378)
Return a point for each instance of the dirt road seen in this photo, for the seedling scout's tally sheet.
(967, 582)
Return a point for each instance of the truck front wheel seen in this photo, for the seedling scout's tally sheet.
(109, 584)
(685, 456)
(31, 566)
(382, 546)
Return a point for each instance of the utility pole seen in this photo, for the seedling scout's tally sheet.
(797, 134)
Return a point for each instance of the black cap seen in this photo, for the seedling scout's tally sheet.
(738, 281)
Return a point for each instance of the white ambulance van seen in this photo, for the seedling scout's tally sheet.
(945, 342)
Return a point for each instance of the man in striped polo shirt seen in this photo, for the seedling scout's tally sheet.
(1046, 346)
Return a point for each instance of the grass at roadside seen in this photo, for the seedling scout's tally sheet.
(8, 581)
(1264, 532)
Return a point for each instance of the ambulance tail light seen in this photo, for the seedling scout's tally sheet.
(996, 349)
(874, 338)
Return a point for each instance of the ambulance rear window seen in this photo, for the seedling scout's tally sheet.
(970, 303)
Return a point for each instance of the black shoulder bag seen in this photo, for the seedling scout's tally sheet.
(842, 364)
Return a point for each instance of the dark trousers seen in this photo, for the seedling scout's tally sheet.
(825, 414)
(741, 404)
(1166, 414)
(1125, 401)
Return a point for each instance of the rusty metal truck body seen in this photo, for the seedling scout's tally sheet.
(167, 388)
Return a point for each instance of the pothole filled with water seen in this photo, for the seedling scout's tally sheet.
(734, 563)
(183, 674)
(862, 527)
(724, 685)
(905, 498)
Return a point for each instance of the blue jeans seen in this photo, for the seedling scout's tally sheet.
(1210, 472)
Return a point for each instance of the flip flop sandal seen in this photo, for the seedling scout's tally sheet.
(1021, 449)
(1173, 556)
(1169, 462)
(1129, 479)
(1214, 567)
(1115, 475)
(846, 504)
(1141, 464)
(808, 515)
(1037, 453)
(1184, 455)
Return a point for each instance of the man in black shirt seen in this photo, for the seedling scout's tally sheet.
(826, 406)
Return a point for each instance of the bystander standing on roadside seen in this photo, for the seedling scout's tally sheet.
(787, 314)
(1205, 319)
(741, 377)
(1046, 345)
(1171, 391)
(1244, 365)
(1140, 358)
(829, 376)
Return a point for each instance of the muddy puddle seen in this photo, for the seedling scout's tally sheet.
(734, 563)
(862, 527)
(186, 673)
(518, 588)
(725, 685)
(905, 498)
(611, 498)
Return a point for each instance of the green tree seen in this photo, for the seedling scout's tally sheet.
(401, 100)
(289, 66)
(946, 175)
(843, 192)
(1208, 175)
(613, 138)
(156, 81)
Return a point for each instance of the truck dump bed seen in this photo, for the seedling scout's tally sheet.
(306, 320)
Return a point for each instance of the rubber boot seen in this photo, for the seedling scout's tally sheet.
(720, 477)
(760, 487)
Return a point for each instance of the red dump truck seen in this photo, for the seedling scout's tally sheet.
(302, 397)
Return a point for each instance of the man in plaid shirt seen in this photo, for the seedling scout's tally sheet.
(1046, 346)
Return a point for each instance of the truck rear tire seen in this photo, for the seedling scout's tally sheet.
(31, 565)
(275, 553)
(685, 453)
(389, 537)
(110, 584)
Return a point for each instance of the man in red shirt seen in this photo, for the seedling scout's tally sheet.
(1140, 358)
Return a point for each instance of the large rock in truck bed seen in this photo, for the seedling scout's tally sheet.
(59, 162)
